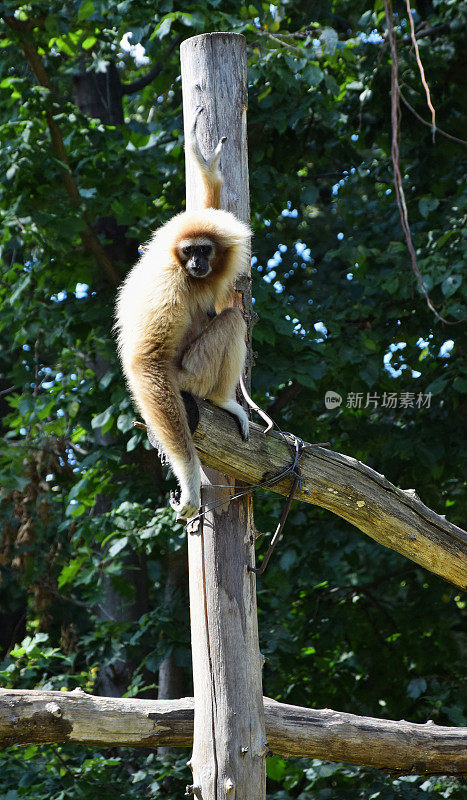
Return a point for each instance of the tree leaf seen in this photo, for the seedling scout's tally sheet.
(329, 39)
(451, 284)
(427, 204)
(416, 687)
(103, 418)
(85, 10)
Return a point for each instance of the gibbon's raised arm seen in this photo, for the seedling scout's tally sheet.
(209, 167)
(168, 339)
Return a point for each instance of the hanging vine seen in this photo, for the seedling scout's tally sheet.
(395, 153)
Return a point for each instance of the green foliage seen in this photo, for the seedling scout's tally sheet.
(86, 537)
(56, 773)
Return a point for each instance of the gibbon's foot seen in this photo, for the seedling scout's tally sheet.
(240, 415)
(187, 501)
(184, 505)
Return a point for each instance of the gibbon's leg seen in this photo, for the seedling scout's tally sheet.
(160, 403)
(212, 364)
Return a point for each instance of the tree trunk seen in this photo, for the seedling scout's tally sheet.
(170, 676)
(99, 94)
(229, 746)
(115, 675)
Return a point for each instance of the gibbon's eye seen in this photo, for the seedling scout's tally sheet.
(205, 250)
(187, 251)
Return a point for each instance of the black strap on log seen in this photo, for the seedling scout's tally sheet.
(297, 473)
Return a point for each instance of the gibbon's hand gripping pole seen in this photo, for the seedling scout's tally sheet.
(229, 742)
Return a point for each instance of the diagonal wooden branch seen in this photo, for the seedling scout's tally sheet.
(393, 517)
(41, 717)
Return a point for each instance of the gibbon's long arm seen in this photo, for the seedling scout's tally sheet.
(209, 167)
(161, 405)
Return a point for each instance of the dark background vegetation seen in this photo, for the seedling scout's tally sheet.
(93, 575)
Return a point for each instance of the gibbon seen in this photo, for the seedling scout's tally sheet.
(175, 330)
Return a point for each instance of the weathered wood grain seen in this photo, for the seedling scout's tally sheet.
(393, 517)
(41, 717)
(229, 746)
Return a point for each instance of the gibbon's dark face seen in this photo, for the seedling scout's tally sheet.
(196, 256)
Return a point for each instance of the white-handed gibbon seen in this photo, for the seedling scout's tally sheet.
(176, 331)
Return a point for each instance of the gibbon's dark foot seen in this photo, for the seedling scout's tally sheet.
(192, 410)
(184, 504)
(244, 430)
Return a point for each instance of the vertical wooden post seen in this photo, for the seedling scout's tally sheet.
(229, 746)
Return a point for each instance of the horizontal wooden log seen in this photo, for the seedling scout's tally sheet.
(393, 517)
(41, 717)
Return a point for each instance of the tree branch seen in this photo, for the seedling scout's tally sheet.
(42, 717)
(393, 517)
(429, 124)
(145, 80)
(426, 32)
